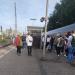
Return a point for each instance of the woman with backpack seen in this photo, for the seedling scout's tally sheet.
(60, 45)
(18, 44)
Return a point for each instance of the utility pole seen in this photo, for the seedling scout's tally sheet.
(1, 29)
(46, 19)
(15, 19)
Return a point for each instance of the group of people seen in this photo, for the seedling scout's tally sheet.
(24, 41)
(62, 44)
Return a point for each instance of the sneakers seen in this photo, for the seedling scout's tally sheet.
(58, 55)
(64, 55)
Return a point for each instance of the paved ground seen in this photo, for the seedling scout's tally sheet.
(12, 64)
(55, 65)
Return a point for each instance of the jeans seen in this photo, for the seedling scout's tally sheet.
(19, 49)
(70, 54)
(29, 50)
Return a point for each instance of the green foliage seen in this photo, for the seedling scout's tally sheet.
(4, 41)
(64, 14)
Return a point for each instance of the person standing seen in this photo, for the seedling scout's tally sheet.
(29, 41)
(24, 40)
(60, 45)
(18, 43)
(69, 47)
(52, 42)
(47, 40)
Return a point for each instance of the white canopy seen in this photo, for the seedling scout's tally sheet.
(62, 30)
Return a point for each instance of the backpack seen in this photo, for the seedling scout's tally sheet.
(60, 42)
(73, 41)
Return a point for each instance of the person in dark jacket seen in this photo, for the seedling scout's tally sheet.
(24, 40)
(51, 42)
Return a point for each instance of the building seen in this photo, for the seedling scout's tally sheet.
(36, 33)
(34, 30)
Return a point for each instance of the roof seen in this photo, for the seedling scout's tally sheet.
(34, 28)
(62, 30)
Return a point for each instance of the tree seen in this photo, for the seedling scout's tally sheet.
(63, 15)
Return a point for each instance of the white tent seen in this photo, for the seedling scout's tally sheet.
(62, 30)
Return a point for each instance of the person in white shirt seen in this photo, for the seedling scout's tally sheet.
(29, 41)
(69, 41)
(48, 40)
(69, 47)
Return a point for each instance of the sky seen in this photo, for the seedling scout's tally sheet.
(26, 9)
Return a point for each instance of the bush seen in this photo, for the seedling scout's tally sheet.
(4, 41)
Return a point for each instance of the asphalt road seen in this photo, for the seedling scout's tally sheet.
(12, 64)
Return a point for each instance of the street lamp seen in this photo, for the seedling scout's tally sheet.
(33, 19)
(46, 18)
